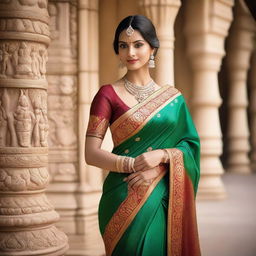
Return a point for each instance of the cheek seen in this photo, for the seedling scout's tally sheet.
(121, 55)
(145, 52)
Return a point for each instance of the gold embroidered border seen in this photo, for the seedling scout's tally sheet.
(126, 212)
(176, 203)
(97, 126)
(135, 119)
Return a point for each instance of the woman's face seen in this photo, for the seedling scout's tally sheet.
(134, 50)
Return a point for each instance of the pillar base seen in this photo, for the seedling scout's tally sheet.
(211, 188)
(242, 169)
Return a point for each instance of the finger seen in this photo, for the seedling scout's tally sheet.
(137, 183)
(133, 181)
(130, 177)
(141, 167)
(138, 163)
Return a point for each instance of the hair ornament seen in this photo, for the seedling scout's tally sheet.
(129, 31)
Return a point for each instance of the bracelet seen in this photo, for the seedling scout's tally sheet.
(125, 164)
(166, 158)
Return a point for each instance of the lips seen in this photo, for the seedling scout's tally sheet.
(132, 61)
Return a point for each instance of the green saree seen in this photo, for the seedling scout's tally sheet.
(157, 219)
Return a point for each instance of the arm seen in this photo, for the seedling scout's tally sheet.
(98, 157)
(100, 114)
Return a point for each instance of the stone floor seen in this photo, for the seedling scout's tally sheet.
(228, 227)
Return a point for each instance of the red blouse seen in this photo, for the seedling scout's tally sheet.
(106, 107)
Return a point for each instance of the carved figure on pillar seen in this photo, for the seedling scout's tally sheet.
(24, 120)
(3, 125)
(23, 68)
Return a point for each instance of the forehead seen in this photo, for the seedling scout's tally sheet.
(134, 37)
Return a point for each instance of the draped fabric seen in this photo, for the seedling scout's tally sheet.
(159, 218)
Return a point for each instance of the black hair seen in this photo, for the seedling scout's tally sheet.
(143, 25)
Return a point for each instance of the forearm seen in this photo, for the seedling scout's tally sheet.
(108, 161)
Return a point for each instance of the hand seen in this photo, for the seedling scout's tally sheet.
(138, 178)
(148, 160)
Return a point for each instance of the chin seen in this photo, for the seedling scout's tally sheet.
(132, 68)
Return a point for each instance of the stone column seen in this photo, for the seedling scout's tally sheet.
(252, 109)
(90, 177)
(239, 49)
(26, 216)
(163, 15)
(207, 24)
(62, 100)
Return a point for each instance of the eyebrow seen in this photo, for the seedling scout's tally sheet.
(141, 40)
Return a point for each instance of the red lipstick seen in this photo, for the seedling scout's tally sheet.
(132, 61)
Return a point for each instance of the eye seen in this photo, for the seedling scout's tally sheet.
(122, 46)
(138, 45)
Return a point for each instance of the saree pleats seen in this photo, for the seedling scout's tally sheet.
(151, 218)
(156, 219)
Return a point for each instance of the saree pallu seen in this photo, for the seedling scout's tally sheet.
(156, 219)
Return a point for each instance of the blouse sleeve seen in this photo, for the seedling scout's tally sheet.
(100, 114)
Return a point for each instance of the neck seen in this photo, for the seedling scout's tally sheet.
(138, 77)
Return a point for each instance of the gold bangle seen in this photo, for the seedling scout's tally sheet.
(166, 158)
(119, 164)
(125, 164)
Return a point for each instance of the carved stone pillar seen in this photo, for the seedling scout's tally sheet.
(206, 31)
(163, 14)
(252, 109)
(90, 177)
(26, 216)
(239, 49)
(62, 102)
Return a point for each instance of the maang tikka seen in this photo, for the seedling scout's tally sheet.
(129, 31)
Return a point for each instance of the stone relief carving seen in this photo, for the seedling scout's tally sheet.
(62, 105)
(18, 205)
(65, 172)
(32, 240)
(73, 30)
(56, 12)
(24, 25)
(22, 60)
(23, 179)
(41, 3)
(23, 118)
(53, 12)
(23, 160)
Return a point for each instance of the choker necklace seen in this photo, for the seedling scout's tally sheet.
(139, 92)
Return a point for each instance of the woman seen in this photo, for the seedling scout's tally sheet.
(147, 207)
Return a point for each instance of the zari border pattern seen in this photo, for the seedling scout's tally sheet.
(126, 212)
(134, 120)
(182, 227)
(97, 126)
(176, 202)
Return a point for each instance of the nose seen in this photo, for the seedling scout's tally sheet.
(131, 51)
